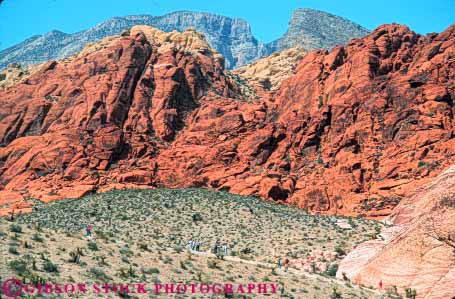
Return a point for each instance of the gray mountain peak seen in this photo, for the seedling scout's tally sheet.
(313, 29)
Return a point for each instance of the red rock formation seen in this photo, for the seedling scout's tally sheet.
(418, 251)
(377, 114)
(351, 133)
(70, 125)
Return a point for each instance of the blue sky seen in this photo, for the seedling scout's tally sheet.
(20, 19)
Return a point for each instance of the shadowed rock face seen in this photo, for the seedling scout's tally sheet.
(352, 132)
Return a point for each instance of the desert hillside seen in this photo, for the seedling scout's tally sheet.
(142, 236)
(330, 149)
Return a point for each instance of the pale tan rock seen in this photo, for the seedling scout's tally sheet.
(270, 71)
(15, 73)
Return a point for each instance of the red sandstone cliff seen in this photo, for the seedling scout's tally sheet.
(352, 132)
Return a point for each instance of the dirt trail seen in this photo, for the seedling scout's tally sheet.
(290, 271)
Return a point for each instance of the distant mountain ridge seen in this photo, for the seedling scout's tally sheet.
(231, 37)
(313, 29)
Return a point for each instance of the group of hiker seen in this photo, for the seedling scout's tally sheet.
(220, 248)
(284, 263)
(194, 245)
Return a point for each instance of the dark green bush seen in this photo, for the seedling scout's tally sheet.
(332, 270)
(19, 266)
(92, 246)
(15, 228)
(50, 267)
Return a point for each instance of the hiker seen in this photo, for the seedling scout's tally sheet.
(191, 244)
(198, 245)
(380, 284)
(215, 247)
(88, 230)
(11, 218)
(225, 248)
(286, 265)
(279, 263)
(219, 247)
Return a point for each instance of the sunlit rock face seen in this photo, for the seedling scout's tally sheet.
(353, 131)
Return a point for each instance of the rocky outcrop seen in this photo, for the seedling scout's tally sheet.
(353, 132)
(418, 251)
(230, 37)
(67, 125)
(368, 122)
(14, 73)
(270, 71)
(311, 29)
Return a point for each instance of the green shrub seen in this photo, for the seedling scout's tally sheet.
(92, 246)
(332, 270)
(212, 264)
(126, 251)
(335, 294)
(152, 271)
(15, 228)
(178, 249)
(13, 250)
(125, 259)
(196, 217)
(411, 293)
(143, 247)
(35, 279)
(124, 295)
(37, 238)
(99, 274)
(19, 266)
(340, 251)
(75, 256)
(50, 267)
(127, 273)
